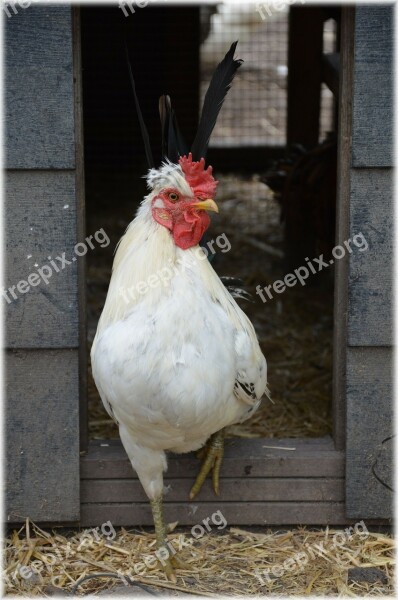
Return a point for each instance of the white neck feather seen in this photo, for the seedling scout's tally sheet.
(147, 250)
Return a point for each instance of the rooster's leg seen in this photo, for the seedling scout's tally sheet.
(213, 455)
(166, 558)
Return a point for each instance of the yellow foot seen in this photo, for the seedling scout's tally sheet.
(165, 553)
(213, 454)
(168, 565)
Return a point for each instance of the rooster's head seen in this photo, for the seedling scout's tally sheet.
(182, 195)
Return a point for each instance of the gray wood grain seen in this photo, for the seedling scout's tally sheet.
(40, 220)
(243, 458)
(42, 437)
(369, 320)
(342, 225)
(370, 271)
(80, 221)
(235, 513)
(369, 423)
(373, 91)
(382, 468)
(257, 489)
(39, 89)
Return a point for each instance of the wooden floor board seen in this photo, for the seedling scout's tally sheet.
(254, 490)
(243, 458)
(235, 513)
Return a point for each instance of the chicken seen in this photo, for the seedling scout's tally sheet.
(175, 359)
(304, 184)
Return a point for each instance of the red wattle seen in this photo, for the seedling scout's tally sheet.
(188, 232)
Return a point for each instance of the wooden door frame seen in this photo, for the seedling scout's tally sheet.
(81, 224)
(343, 225)
(259, 474)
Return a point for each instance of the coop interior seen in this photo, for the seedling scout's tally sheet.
(276, 170)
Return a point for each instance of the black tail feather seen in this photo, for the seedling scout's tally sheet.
(234, 286)
(215, 96)
(164, 113)
(181, 144)
(144, 131)
(173, 151)
(173, 145)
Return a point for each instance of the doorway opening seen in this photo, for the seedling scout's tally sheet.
(274, 209)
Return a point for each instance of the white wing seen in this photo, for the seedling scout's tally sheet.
(251, 376)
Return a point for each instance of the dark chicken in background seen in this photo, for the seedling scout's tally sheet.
(304, 184)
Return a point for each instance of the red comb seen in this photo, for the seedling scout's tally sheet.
(199, 179)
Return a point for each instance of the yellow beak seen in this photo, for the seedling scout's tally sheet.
(208, 204)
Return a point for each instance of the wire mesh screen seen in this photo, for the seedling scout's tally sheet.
(255, 113)
(327, 100)
(326, 116)
(256, 110)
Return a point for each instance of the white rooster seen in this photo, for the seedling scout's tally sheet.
(180, 361)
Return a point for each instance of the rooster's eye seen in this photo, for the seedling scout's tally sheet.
(173, 196)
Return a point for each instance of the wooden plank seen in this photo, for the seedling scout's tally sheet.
(254, 490)
(342, 224)
(235, 513)
(370, 276)
(304, 77)
(382, 469)
(42, 439)
(40, 219)
(39, 89)
(369, 423)
(80, 222)
(243, 458)
(373, 96)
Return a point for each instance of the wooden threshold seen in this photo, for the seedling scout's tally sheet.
(264, 481)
